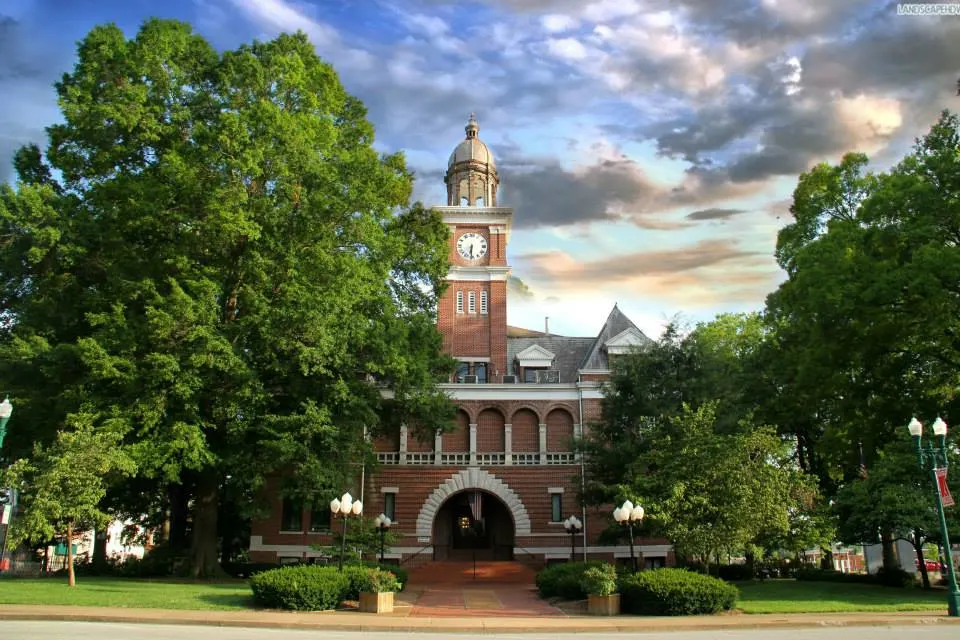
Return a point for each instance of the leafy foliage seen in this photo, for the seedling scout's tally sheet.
(599, 581)
(675, 592)
(300, 588)
(563, 580)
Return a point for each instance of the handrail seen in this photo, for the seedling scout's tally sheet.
(411, 557)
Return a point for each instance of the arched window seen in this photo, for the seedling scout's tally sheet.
(480, 201)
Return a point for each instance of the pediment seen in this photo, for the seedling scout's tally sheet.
(625, 341)
(535, 356)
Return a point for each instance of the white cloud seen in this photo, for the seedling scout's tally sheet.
(567, 48)
(278, 15)
(607, 10)
(558, 23)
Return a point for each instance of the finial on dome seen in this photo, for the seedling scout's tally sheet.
(472, 127)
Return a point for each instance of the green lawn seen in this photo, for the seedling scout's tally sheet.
(790, 596)
(113, 592)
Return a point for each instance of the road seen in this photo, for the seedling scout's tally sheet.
(16, 630)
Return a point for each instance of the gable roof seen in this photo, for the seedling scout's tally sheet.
(617, 329)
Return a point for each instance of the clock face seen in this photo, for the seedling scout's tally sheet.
(472, 246)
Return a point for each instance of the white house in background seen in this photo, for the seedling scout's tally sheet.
(117, 549)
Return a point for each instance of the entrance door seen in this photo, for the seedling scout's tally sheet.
(460, 535)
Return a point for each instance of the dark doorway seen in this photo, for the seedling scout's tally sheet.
(460, 535)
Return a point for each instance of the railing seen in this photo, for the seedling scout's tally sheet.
(414, 555)
(492, 459)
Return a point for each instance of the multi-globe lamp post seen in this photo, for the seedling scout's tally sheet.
(573, 527)
(344, 506)
(6, 494)
(933, 458)
(382, 523)
(627, 514)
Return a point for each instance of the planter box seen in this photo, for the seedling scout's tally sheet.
(604, 605)
(377, 602)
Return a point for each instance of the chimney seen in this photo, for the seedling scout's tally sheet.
(546, 326)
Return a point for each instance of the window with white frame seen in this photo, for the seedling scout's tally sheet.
(471, 302)
(459, 301)
(483, 302)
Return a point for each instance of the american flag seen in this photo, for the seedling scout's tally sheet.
(476, 505)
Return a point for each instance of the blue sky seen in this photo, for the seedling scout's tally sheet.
(649, 147)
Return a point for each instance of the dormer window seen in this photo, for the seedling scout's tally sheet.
(536, 363)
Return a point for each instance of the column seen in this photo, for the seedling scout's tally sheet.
(437, 447)
(473, 444)
(577, 435)
(543, 443)
(403, 444)
(508, 444)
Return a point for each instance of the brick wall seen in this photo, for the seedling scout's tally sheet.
(526, 431)
(490, 434)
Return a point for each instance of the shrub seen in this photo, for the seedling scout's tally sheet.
(599, 581)
(675, 592)
(300, 588)
(896, 578)
(563, 580)
(735, 572)
(378, 581)
(396, 570)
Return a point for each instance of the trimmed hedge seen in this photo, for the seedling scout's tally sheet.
(675, 592)
(895, 578)
(300, 588)
(563, 580)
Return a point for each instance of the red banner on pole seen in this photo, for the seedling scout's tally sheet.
(942, 487)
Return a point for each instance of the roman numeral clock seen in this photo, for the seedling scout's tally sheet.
(472, 246)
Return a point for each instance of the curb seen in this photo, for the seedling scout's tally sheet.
(371, 622)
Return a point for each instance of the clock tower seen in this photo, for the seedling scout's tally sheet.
(472, 313)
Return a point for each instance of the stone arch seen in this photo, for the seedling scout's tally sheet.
(529, 407)
(472, 479)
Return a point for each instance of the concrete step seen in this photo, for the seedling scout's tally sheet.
(451, 572)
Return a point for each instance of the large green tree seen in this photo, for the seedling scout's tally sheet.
(224, 264)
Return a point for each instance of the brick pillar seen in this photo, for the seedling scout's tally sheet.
(508, 444)
(543, 443)
(577, 435)
(473, 443)
(437, 447)
(403, 444)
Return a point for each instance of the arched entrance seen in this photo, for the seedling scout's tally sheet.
(473, 524)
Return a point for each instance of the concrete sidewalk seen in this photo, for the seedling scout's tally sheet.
(354, 621)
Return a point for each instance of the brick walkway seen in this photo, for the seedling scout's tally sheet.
(505, 601)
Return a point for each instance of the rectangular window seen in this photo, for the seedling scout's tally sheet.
(529, 374)
(390, 505)
(483, 302)
(480, 370)
(471, 302)
(463, 369)
(556, 507)
(459, 301)
(291, 518)
(320, 518)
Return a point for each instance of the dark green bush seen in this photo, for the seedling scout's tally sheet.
(300, 588)
(735, 572)
(563, 580)
(675, 592)
(895, 578)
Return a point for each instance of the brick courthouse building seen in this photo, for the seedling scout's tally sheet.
(501, 484)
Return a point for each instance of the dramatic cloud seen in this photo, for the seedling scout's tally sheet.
(714, 214)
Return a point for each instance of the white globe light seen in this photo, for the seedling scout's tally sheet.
(939, 427)
(387, 521)
(628, 507)
(335, 506)
(346, 498)
(6, 409)
(637, 513)
(357, 508)
(915, 427)
(618, 514)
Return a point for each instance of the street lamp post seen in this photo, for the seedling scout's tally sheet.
(383, 525)
(933, 458)
(6, 409)
(627, 514)
(344, 506)
(573, 527)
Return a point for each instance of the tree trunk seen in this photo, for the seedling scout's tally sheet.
(826, 560)
(889, 551)
(921, 562)
(100, 549)
(204, 559)
(176, 535)
(71, 577)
